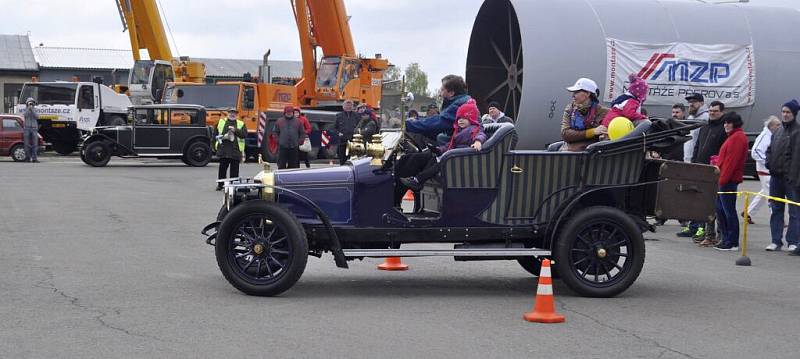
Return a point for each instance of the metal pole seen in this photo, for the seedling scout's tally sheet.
(402, 109)
(744, 260)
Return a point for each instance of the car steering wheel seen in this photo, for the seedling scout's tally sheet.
(406, 145)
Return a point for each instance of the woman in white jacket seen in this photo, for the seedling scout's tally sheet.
(759, 154)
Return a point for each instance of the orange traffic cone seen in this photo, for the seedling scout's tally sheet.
(392, 263)
(544, 309)
(408, 202)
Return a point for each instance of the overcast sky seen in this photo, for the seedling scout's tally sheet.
(431, 32)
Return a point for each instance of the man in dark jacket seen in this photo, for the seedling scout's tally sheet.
(291, 134)
(709, 141)
(229, 143)
(711, 136)
(454, 93)
(783, 162)
(346, 122)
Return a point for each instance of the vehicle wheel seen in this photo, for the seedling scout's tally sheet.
(96, 154)
(261, 248)
(64, 148)
(269, 147)
(197, 154)
(18, 153)
(116, 121)
(533, 265)
(600, 252)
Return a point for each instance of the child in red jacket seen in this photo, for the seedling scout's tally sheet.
(629, 105)
(731, 168)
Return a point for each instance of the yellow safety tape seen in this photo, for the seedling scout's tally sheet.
(762, 195)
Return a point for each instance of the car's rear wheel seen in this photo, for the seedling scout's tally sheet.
(600, 252)
(18, 153)
(261, 248)
(198, 154)
(96, 154)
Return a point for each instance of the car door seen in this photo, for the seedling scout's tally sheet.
(87, 109)
(183, 125)
(151, 134)
(10, 132)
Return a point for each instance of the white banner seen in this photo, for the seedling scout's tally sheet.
(673, 71)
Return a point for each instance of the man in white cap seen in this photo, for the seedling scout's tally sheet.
(580, 125)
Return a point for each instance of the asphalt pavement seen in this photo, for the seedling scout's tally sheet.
(109, 262)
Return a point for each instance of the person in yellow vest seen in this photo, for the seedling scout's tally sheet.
(229, 144)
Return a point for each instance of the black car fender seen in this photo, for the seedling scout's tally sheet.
(569, 207)
(118, 149)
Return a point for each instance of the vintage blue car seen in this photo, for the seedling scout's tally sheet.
(585, 210)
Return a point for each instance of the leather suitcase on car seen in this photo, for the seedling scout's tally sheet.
(688, 191)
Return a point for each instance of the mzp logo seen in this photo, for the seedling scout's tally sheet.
(684, 70)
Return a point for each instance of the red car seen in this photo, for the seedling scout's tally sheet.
(11, 138)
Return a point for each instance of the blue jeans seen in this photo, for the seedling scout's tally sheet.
(726, 215)
(780, 187)
(30, 140)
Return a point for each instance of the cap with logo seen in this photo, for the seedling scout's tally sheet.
(695, 97)
(583, 84)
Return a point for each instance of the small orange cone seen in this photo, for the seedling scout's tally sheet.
(392, 263)
(409, 196)
(544, 309)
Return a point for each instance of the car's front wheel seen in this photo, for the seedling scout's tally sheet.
(600, 252)
(18, 153)
(261, 248)
(96, 154)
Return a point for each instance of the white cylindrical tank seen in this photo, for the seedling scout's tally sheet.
(524, 53)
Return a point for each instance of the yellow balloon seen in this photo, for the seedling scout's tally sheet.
(619, 127)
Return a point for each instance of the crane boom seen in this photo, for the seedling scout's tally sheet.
(148, 77)
(143, 22)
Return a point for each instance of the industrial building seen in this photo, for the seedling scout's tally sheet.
(19, 62)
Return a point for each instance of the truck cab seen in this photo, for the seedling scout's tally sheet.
(147, 80)
(342, 77)
(217, 98)
(66, 109)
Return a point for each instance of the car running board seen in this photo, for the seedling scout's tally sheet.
(482, 252)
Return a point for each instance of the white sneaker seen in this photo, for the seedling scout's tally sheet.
(791, 248)
(772, 247)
